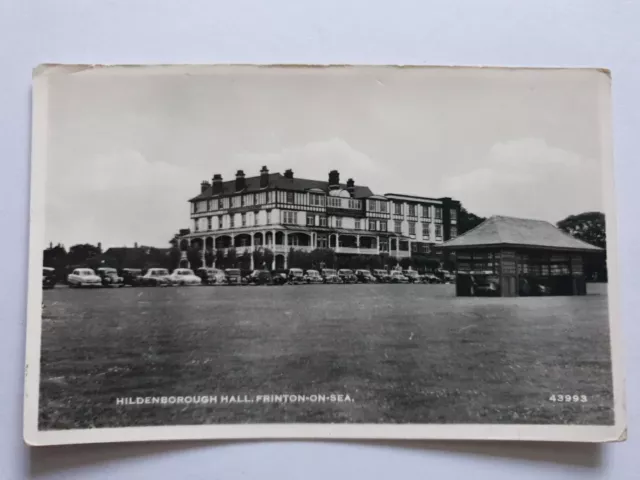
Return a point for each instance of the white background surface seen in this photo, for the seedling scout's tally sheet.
(490, 32)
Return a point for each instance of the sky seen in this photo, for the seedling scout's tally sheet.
(126, 147)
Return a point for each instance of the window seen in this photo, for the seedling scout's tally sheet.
(338, 222)
(243, 218)
(412, 228)
(316, 200)
(322, 241)
(414, 247)
(412, 210)
(398, 208)
(371, 205)
(242, 200)
(358, 226)
(268, 217)
(454, 214)
(220, 221)
(232, 221)
(398, 226)
(311, 220)
(355, 204)
(289, 217)
(454, 231)
(383, 225)
(426, 211)
(209, 223)
(323, 221)
(196, 224)
(333, 202)
(425, 231)
(220, 204)
(404, 245)
(290, 197)
(438, 213)
(372, 225)
(383, 206)
(438, 231)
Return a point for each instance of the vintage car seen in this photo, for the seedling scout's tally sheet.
(347, 276)
(131, 276)
(430, 278)
(185, 277)
(397, 277)
(84, 277)
(110, 277)
(329, 275)
(382, 276)
(211, 276)
(279, 279)
(313, 276)
(364, 276)
(48, 277)
(486, 285)
(412, 276)
(156, 277)
(259, 277)
(234, 276)
(295, 276)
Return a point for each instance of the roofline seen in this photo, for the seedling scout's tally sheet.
(414, 197)
(594, 249)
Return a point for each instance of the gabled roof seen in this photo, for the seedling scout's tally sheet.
(277, 180)
(511, 231)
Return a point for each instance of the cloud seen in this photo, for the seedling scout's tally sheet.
(517, 176)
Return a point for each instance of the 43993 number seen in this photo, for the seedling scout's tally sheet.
(562, 398)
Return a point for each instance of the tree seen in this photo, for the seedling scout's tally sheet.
(323, 258)
(231, 260)
(56, 257)
(220, 259)
(468, 220)
(173, 258)
(209, 257)
(81, 253)
(194, 256)
(588, 227)
(267, 258)
(245, 260)
(258, 259)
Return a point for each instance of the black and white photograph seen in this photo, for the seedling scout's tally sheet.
(275, 251)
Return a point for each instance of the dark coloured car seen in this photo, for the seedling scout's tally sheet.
(110, 277)
(347, 276)
(364, 276)
(382, 276)
(234, 276)
(48, 277)
(430, 278)
(131, 276)
(279, 278)
(259, 277)
(211, 276)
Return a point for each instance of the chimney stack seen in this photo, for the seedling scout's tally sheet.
(334, 180)
(204, 186)
(240, 181)
(264, 177)
(216, 184)
(351, 186)
(288, 174)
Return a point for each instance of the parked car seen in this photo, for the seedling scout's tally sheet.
(131, 276)
(347, 276)
(329, 275)
(364, 276)
(156, 277)
(185, 277)
(397, 277)
(84, 277)
(382, 276)
(211, 276)
(48, 277)
(295, 276)
(430, 278)
(412, 276)
(279, 278)
(313, 276)
(259, 277)
(234, 276)
(486, 285)
(110, 277)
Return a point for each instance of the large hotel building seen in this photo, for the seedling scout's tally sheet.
(281, 212)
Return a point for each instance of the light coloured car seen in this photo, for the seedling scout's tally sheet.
(156, 277)
(84, 277)
(313, 276)
(295, 275)
(185, 277)
(398, 277)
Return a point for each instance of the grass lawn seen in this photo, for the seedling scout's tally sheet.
(403, 353)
